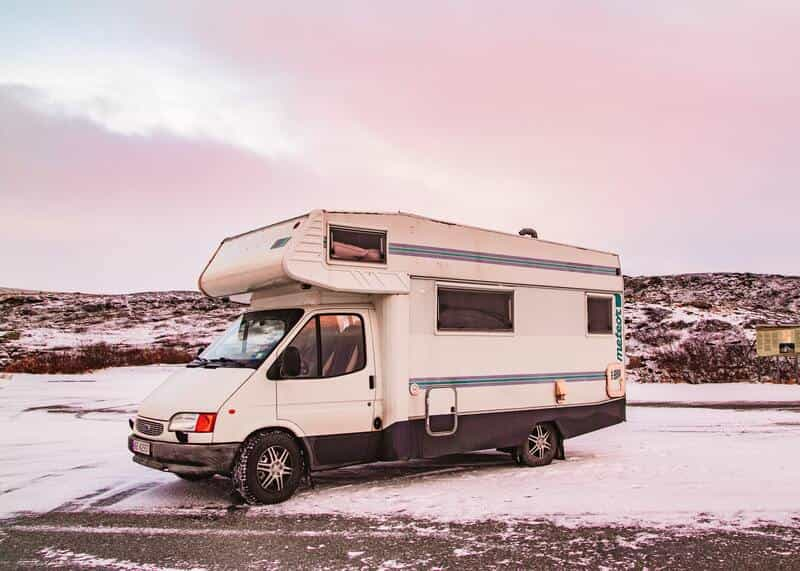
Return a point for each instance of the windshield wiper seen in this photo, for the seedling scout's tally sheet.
(197, 362)
(223, 362)
(218, 362)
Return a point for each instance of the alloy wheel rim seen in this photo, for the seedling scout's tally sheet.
(539, 441)
(274, 468)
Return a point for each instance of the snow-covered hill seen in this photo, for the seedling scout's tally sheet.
(701, 327)
(695, 328)
(35, 323)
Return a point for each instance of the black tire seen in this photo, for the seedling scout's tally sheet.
(260, 472)
(540, 447)
(194, 477)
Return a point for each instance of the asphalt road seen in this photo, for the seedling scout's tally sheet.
(238, 538)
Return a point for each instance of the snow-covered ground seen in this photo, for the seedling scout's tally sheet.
(65, 437)
(63, 445)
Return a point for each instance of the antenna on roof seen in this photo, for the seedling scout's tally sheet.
(529, 232)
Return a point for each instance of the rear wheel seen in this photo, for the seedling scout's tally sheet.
(268, 469)
(540, 447)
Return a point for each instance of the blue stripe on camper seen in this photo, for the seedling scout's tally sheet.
(499, 259)
(511, 379)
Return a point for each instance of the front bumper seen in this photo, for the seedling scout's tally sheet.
(190, 459)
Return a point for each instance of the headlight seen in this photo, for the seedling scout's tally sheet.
(193, 422)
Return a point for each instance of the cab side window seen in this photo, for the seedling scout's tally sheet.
(342, 339)
(306, 344)
(328, 346)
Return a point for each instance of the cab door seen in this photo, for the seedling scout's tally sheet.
(331, 394)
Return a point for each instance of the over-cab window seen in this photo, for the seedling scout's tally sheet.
(329, 346)
(355, 245)
(475, 310)
(600, 315)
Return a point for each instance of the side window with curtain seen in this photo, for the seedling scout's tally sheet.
(355, 245)
(474, 310)
(599, 310)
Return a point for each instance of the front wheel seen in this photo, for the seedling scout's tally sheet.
(540, 447)
(268, 469)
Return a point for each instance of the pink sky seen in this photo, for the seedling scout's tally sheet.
(134, 138)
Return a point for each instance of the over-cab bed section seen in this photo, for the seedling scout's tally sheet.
(250, 261)
(372, 253)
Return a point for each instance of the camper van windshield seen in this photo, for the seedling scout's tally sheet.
(249, 340)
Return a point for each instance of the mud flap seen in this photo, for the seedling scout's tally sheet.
(560, 453)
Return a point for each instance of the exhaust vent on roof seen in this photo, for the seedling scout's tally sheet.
(529, 232)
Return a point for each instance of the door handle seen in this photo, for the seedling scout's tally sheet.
(372, 382)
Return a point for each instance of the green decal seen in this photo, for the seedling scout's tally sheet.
(280, 243)
(619, 323)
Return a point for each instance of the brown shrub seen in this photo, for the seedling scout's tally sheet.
(97, 356)
(678, 324)
(656, 313)
(655, 336)
(634, 362)
(699, 304)
(713, 326)
(15, 300)
(698, 360)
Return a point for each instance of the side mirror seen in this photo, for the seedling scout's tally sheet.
(291, 362)
(201, 349)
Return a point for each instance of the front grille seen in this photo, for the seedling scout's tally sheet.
(149, 427)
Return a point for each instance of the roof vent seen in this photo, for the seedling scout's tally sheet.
(529, 232)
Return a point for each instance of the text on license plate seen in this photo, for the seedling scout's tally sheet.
(140, 447)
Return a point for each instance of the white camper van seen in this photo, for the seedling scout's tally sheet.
(374, 337)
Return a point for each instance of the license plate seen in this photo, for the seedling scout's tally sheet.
(140, 447)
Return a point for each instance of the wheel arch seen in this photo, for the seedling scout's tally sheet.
(301, 442)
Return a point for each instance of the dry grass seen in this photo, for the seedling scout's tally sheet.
(658, 336)
(97, 356)
(698, 360)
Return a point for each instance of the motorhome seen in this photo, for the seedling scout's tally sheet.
(374, 337)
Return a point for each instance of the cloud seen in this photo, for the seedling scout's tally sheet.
(666, 133)
(86, 208)
(156, 91)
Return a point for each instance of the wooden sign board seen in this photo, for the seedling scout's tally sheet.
(777, 340)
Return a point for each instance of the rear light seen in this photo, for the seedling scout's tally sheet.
(193, 422)
(205, 422)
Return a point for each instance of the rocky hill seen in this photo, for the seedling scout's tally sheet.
(694, 328)
(142, 327)
(701, 327)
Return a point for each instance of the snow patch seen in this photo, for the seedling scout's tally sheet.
(354, 554)
(53, 557)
